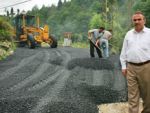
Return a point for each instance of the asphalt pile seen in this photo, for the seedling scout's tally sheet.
(106, 71)
(91, 63)
(71, 83)
(92, 82)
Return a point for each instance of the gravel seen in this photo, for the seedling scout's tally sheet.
(60, 80)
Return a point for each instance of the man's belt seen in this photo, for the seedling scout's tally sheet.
(139, 64)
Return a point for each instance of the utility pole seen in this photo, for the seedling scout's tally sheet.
(106, 10)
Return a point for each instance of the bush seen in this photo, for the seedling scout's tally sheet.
(6, 49)
(6, 30)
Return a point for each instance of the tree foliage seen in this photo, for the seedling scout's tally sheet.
(59, 4)
(5, 29)
(78, 16)
(96, 21)
(144, 6)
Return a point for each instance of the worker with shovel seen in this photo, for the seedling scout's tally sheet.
(93, 37)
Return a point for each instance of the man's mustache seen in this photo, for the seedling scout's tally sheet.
(136, 24)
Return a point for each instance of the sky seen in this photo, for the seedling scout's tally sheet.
(26, 5)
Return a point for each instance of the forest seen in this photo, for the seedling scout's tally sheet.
(78, 16)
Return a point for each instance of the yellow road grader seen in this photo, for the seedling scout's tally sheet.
(28, 32)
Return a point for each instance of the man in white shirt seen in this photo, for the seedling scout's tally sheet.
(135, 61)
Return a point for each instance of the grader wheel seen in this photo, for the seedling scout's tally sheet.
(54, 42)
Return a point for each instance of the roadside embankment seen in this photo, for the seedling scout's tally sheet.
(6, 49)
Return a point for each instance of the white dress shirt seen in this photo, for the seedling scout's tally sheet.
(136, 47)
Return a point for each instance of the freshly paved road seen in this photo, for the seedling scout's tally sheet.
(61, 80)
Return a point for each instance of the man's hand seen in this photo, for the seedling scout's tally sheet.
(97, 43)
(124, 72)
(89, 37)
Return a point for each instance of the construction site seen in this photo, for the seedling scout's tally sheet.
(51, 63)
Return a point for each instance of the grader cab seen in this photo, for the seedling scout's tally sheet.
(28, 32)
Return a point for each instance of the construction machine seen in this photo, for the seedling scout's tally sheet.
(28, 32)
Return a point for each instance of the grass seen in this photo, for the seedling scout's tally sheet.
(80, 45)
(76, 44)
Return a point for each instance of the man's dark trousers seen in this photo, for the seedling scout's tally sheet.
(92, 46)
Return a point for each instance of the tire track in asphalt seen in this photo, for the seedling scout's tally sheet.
(58, 53)
(46, 81)
(65, 55)
(39, 71)
(52, 94)
(12, 70)
(54, 75)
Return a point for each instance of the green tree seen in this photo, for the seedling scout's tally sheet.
(6, 29)
(7, 13)
(96, 21)
(12, 12)
(59, 4)
(78, 16)
(144, 6)
(35, 11)
(18, 11)
(96, 7)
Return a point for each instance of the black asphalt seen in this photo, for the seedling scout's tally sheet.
(60, 80)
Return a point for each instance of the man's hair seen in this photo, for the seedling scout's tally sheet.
(139, 12)
(102, 28)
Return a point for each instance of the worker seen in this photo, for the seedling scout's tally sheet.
(93, 36)
(104, 36)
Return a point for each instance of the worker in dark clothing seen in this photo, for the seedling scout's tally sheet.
(93, 35)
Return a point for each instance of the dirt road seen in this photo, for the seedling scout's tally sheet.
(61, 80)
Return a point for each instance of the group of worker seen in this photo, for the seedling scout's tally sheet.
(98, 39)
(134, 58)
